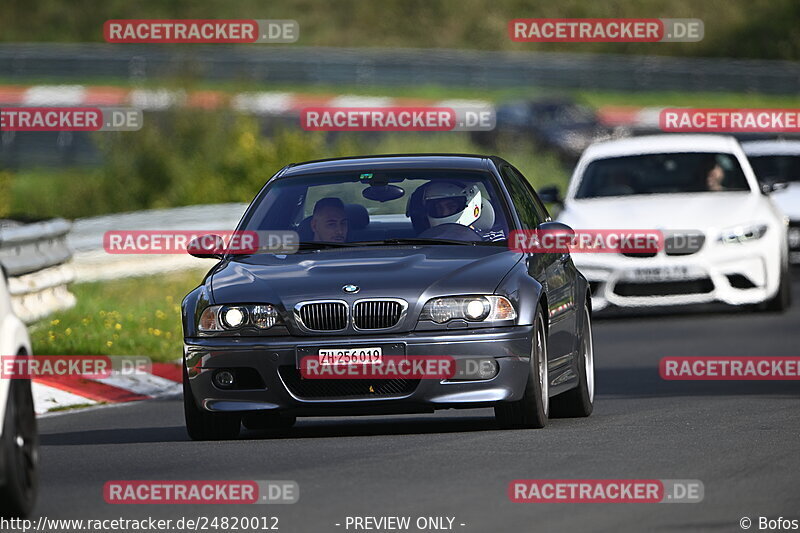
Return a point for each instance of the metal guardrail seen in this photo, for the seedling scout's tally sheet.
(92, 263)
(398, 67)
(35, 258)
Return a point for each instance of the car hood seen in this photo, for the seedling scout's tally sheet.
(408, 272)
(698, 211)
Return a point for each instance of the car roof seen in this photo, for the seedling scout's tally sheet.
(772, 147)
(665, 143)
(391, 162)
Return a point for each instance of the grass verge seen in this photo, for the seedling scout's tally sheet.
(134, 316)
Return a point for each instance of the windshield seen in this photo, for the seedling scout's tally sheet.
(662, 174)
(776, 168)
(374, 207)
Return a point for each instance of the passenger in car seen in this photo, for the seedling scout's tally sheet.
(329, 220)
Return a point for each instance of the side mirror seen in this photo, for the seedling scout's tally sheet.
(769, 187)
(558, 227)
(550, 195)
(207, 247)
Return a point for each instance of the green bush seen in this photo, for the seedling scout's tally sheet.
(733, 28)
(190, 157)
(186, 158)
(5, 193)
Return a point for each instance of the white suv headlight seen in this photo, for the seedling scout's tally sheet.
(743, 233)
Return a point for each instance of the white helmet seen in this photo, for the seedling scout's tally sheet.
(452, 203)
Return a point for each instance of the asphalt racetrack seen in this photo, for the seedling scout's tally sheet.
(741, 439)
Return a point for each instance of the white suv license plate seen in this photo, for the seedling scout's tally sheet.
(350, 356)
(670, 273)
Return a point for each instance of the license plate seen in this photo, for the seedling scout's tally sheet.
(668, 273)
(350, 356)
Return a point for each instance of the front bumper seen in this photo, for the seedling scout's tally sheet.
(271, 358)
(741, 274)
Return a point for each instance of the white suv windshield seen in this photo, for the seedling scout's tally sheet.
(662, 174)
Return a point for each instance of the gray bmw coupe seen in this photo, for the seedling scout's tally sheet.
(400, 259)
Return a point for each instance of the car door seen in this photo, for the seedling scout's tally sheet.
(554, 271)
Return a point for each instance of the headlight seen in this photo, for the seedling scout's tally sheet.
(742, 233)
(470, 308)
(233, 317)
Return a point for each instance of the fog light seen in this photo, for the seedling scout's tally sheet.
(224, 379)
(487, 369)
(475, 369)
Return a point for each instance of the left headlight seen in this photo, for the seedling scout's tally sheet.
(234, 317)
(469, 308)
(740, 234)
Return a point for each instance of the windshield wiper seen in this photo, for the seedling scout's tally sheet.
(319, 245)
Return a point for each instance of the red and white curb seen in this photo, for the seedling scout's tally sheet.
(259, 103)
(635, 117)
(51, 393)
(262, 102)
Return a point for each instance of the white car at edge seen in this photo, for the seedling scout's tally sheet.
(725, 239)
(18, 435)
(779, 162)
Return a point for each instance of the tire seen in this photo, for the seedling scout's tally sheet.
(202, 425)
(20, 447)
(783, 298)
(266, 420)
(579, 402)
(531, 411)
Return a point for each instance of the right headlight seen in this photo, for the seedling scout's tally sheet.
(743, 233)
(217, 318)
(479, 308)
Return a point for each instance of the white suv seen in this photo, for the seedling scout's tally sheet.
(778, 162)
(18, 435)
(726, 241)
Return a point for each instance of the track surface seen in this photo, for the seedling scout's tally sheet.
(740, 438)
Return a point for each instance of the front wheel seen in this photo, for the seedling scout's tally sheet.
(579, 401)
(21, 455)
(532, 410)
(202, 425)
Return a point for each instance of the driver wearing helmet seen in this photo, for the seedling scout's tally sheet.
(454, 203)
